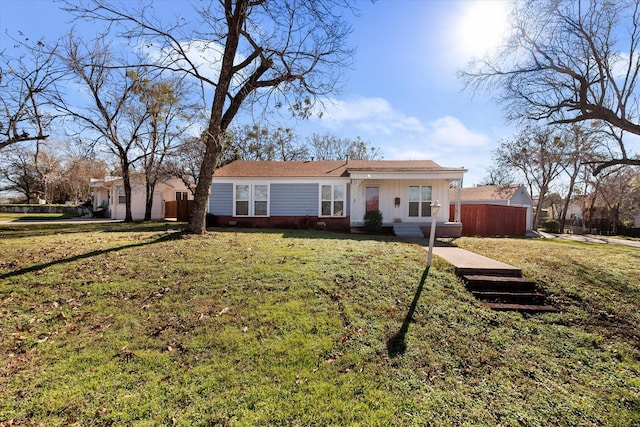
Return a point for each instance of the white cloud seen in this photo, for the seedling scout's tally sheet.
(371, 115)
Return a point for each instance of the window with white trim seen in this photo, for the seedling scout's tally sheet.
(251, 200)
(332, 198)
(420, 201)
(122, 198)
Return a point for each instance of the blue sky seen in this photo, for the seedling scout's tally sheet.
(401, 94)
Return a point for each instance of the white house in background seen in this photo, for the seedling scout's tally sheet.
(108, 192)
(333, 194)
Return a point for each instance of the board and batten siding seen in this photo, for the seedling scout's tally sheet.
(221, 200)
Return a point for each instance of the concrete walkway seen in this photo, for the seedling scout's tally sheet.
(467, 262)
(590, 238)
(78, 220)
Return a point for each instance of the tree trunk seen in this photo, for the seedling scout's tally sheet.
(148, 203)
(198, 219)
(126, 182)
(572, 183)
(538, 209)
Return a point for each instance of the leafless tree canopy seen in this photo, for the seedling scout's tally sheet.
(569, 61)
(26, 82)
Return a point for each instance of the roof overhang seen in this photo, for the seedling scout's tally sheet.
(440, 174)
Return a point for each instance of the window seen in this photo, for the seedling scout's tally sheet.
(122, 198)
(420, 201)
(332, 200)
(252, 200)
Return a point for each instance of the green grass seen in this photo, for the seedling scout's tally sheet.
(140, 324)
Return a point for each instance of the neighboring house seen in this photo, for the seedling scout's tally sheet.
(109, 193)
(332, 194)
(494, 210)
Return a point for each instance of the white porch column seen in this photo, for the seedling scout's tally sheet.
(355, 194)
(457, 215)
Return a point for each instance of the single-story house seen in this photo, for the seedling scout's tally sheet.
(168, 196)
(333, 194)
(494, 210)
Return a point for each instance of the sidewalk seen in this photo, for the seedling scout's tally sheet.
(61, 221)
(590, 238)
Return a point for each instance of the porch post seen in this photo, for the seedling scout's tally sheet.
(458, 201)
(355, 195)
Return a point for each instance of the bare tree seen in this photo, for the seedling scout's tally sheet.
(107, 114)
(268, 53)
(77, 173)
(567, 62)
(26, 82)
(538, 155)
(580, 148)
(165, 116)
(331, 147)
(254, 142)
(498, 175)
(19, 172)
(186, 161)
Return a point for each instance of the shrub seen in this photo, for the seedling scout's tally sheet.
(551, 225)
(210, 220)
(373, 221)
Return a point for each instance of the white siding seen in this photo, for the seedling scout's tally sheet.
(389, 190)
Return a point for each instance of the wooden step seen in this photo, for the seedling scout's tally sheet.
(486, 271)
(510, 297)
(498, 283)
(522, 308)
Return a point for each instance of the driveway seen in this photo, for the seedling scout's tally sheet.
(590, 238)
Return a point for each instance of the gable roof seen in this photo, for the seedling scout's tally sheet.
(325, 168)
(487, 192)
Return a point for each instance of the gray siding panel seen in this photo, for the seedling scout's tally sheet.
(521, 197)
(294, 199)
(221, 199)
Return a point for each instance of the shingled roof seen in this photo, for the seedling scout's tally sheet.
(487, 192)
(325, 168)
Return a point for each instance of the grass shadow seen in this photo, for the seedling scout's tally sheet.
(164, 238)
(397, 344)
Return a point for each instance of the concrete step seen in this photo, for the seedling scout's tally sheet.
(490, 283)
(407, 229)
(522, 308)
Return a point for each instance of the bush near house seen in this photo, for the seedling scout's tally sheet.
(373, 221)
(551, 225)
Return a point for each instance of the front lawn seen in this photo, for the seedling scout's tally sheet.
(140, 324)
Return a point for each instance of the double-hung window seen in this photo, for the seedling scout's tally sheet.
(122, 198)
(251, 200)
(420, 201)
(332, 198)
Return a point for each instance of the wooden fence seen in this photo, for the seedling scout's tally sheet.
(492, 220)
(179, 209)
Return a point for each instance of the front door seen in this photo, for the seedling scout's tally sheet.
(372, 196)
